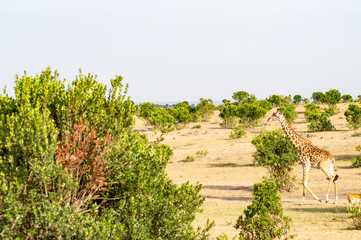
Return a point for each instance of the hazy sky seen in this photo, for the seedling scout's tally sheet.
(170, 50)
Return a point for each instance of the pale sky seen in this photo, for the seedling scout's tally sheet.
(176, 50)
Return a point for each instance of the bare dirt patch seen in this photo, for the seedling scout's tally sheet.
(227, 174)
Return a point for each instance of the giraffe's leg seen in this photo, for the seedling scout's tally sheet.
(306, 169)
(336, 195)
(330, 178)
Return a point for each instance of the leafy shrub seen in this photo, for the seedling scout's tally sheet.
(346, 98)
(276, 152)
(264, 218)
(249, 114)
(297, 99)
(331, 110)
(353, 116)
(355, 218)
(190, 159)
(317, 97)
(197, 126)
(243, 96)
(204, 109)
(289, 111)
(71, 167)
(332, 97)
(275, 100)
(319, 121)
(202, 153)
(146, 109)
(162, 120)
(356, 162)
(229, 115)
(238, 132)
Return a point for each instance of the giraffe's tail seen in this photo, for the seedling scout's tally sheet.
(335, 179)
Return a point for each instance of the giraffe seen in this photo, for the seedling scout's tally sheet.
(309, 156)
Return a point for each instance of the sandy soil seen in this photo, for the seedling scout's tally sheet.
(227, 174)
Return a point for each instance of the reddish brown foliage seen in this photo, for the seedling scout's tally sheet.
(81, 152)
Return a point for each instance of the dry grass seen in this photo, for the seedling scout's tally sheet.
(228, 174)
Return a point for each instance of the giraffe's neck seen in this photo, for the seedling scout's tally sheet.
(295, 139)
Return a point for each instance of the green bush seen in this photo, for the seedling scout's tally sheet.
(297, 99)
(146, 109)
(275, 100)
(332, 97)
(243, 97)
(289, 110)
(353, 116)
(356, 162)
(202, 153)
(264, 218)
(204, 110)
(229, 115)
(319, 121)
(190, 159)
(72, 167)
(249, 114)
(317, 97)
(346, 98)
(238, 132)
(276, 152)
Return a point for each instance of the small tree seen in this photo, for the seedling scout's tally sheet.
(229, 115)
(243, 96)
(297, 99)
(204, 109)
(146, 109)
(264, 218)
(275, 100)
(346, 98)
(353, 116)
(289, 110)
(317, 97)
(275, 152)
(332, 97)
(319, 121)
(249, 114)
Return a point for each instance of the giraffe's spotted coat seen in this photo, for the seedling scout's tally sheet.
(309, 156)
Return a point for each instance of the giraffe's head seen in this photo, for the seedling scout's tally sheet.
(275, 116)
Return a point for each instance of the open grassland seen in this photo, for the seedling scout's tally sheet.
(227, 173)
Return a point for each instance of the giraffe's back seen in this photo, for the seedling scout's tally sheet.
(316, 156)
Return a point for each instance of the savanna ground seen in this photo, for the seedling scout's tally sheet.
(227, 174)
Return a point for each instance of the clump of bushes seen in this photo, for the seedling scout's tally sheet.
(176, 117)
(246, 111)
(264, 218)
